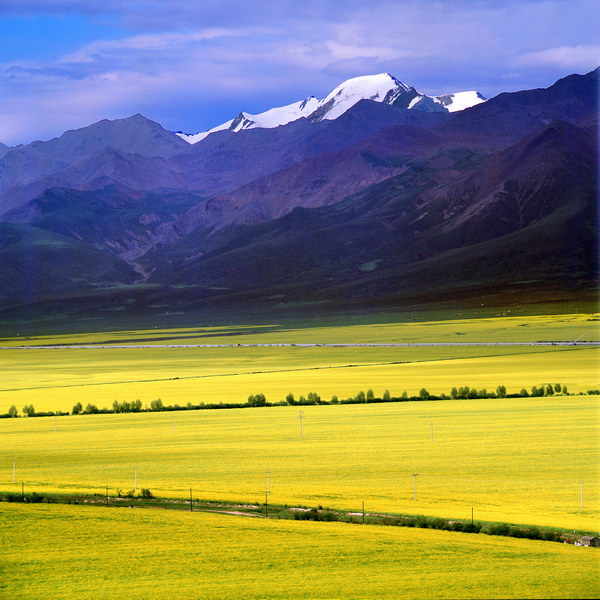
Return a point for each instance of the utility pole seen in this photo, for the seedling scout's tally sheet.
(268, 482)
(415, 486)
(581, 493)
(300, 417)
(15, 469)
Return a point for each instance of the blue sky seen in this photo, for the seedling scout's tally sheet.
(192, 64)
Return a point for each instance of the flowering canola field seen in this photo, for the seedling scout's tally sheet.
(56, 379)
(516, 460)
(67, 552)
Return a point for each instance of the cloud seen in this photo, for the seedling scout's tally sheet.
(568, 57)
(147, 42)
(191, 64)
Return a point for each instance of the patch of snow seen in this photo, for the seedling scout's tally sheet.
(459, 100)
(414, 101)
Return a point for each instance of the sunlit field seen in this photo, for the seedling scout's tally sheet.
(516, 460)
(64, 552)
(57, 379)
(403, 328)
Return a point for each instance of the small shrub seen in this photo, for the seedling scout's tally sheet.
(34, 498)
(329, 516)
(497, 529)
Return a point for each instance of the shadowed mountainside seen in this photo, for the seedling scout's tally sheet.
(379, 205)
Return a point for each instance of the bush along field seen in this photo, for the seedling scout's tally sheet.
(144, 498)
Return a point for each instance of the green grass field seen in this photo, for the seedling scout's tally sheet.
(66, 552)
(513, 460)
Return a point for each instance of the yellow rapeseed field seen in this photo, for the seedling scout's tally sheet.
(85, 553)
(515, 460)
(57, 379)
(504, 326)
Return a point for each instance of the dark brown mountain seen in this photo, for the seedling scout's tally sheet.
(526, 211)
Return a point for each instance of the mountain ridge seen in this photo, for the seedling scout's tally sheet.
(383, 87)
(379, 205)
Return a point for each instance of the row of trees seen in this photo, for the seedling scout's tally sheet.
(312, 398)
(456, 393)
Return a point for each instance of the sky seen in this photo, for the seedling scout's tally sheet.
(193, 64)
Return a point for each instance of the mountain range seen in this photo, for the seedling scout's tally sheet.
(374, 196)
(383, 88)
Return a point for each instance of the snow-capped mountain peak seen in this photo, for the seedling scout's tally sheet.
(273, 117)
(382, 87)
(379, 88)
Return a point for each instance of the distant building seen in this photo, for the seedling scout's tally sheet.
(588, 540)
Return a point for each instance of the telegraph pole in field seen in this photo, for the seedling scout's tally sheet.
(415, 486)
(300, 417)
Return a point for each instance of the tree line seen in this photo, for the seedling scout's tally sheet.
(312, 398)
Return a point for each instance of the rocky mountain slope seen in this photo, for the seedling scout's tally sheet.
(381, 205)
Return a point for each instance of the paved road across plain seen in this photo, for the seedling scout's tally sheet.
(365, 345)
